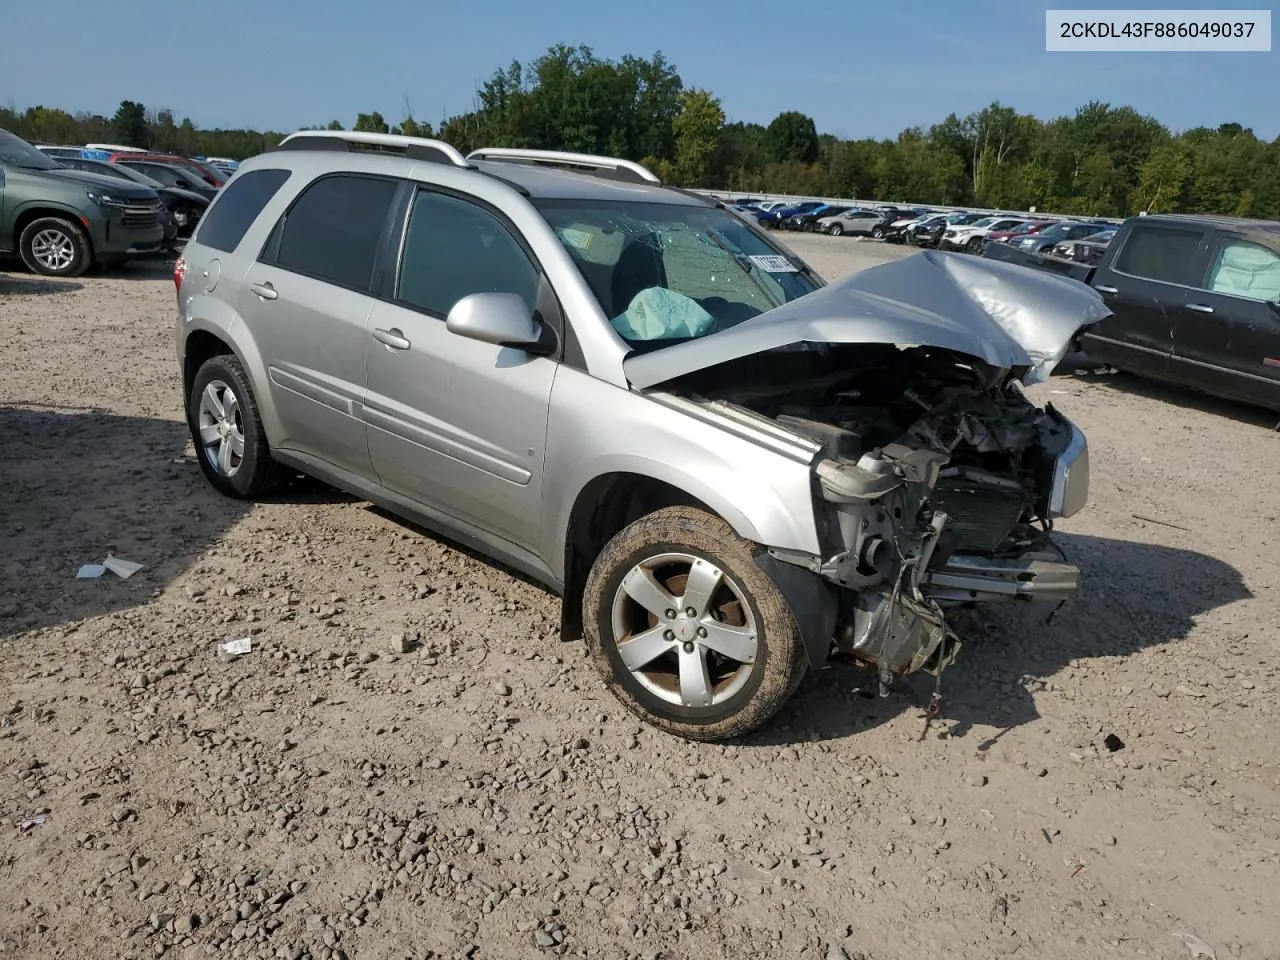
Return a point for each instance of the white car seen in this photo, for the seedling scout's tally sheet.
(970, 236)
(855, 221)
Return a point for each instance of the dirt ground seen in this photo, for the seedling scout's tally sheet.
(475, 793)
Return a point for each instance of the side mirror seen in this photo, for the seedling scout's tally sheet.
(503, 319)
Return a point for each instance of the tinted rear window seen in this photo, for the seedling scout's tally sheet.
(334, 229)
(1160, 253)
(237, 206)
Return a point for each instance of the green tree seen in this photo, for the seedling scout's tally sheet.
(793, 136)
(1163, 179)
(371, 123)
(696, 129)
(130, 124)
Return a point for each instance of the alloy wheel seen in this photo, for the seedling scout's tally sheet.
(221, 428)
(53, 249)
(684, 630)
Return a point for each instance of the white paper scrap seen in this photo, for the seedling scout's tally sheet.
(124, 569)
(236, 647)
(90, 571)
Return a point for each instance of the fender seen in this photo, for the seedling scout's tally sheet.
(51, 205)
(761, 488)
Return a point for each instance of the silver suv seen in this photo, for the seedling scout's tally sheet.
(730, 470)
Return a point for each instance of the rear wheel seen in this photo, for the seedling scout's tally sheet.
(226, 429)
(877, 233)
(687, 630)
(54, 247)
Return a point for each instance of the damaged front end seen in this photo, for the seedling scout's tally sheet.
(937, 486)
(938, 481)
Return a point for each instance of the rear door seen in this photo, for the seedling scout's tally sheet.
(1227, 335)
(1143, 282)
(308, 298)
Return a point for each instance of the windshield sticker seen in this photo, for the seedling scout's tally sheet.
(774, 264)
(579, 239)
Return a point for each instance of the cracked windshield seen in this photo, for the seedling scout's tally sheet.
(666, 273)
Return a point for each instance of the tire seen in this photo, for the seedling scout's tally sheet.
(742, 695)
(249, 472)
(836, 229)
(877, 233)
(54, 247)
(974, 246)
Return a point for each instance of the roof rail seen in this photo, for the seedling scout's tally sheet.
(416, 148)
(611, 167)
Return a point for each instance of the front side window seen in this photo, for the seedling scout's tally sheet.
(454, 248)
(333, 230)
(238, 204)
(1244, 269)
(664, 273)
(1158, 253)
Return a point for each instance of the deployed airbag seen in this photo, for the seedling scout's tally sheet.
(657, 313)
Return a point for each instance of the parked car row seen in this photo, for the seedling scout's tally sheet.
(959, 230)
(65, 208)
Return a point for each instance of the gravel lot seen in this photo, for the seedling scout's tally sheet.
(472, 791)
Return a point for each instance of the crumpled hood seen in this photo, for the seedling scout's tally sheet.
(1005, 315)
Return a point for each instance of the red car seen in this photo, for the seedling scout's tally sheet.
(1022, 230)
(191, 167)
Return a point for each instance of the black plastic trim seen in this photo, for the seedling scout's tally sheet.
(812, 601)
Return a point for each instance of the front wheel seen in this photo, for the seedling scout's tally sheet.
(687, 630)
(837, 229)
(974, 246)
(54, 247)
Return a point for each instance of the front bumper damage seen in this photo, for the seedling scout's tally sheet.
(884, 599)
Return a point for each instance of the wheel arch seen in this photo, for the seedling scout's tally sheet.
(43, 208)
(605, 505)
(213, 328)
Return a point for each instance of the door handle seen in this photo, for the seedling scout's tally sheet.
(393, 338)
(1200, 307)
(1106, 289)
(265, 290)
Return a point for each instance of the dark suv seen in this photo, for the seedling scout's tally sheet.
(60, 221)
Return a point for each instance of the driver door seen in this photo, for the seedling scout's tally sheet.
(455, 424)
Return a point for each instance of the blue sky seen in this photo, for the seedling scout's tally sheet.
(858, 67)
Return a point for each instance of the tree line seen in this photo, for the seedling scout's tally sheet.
(1103, 160)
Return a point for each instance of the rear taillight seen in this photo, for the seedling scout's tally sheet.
(179, 271)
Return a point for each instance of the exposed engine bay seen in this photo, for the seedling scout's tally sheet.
(937, 485)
